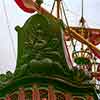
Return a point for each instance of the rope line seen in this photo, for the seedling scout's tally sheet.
(53, 6)
(68, 10)
(68, 26)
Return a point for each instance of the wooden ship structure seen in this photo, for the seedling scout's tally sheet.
(46, 68)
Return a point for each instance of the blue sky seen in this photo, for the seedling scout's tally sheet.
(17, 17)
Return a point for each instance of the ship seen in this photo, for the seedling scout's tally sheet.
(44, 69)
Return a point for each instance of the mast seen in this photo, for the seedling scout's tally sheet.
(82, 16)
(58, 8)
(82, 22)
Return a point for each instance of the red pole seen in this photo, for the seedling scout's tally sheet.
(35, 93)
(90, 98)
(8, 97)
(67, 96)
(51, 94)
(21, 94)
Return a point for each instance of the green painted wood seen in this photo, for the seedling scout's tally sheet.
(41, 59)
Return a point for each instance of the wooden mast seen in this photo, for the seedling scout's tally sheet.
(58, 8)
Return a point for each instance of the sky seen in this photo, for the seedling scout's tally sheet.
(11, 15)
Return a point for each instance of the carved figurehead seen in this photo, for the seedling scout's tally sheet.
(40, 47)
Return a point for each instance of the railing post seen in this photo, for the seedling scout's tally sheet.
(51, 94)
(35, 92)
(67, 96)
(8, 97)
(90, 98)
(21, 95)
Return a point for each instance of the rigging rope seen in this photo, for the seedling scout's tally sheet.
(68, 10)
(53, 6)
(8, 25)
(68, 26)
